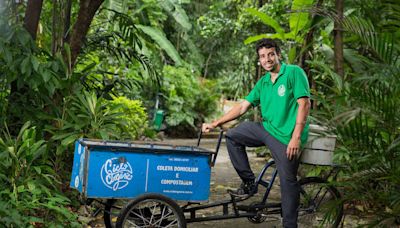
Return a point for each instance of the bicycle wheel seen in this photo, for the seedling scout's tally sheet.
(152, 210)
(320, 204)
(112, 208)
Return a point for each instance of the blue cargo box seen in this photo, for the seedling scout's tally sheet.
(113, 169)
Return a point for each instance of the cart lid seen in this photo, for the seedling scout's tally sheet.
(141, 147)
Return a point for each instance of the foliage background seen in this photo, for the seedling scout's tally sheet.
(56, 86)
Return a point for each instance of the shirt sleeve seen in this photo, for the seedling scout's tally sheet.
(254, 95)
(301, 87)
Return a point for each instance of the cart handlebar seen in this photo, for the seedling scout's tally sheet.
(221, 133)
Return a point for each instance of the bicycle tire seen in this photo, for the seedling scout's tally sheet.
(320, 203)
(148, 207)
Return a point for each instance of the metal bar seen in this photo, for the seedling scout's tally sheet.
(225, 210)
(216, 204)
(219, 217)
(85, 171)
(199, 137)
(221, 133)
(271, 183)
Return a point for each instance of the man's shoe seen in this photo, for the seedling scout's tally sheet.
(247, 188)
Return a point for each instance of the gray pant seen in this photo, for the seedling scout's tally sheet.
(253, 134)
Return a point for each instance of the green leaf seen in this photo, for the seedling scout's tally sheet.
(38, 170)
(292, 54)
(22, 130)
(50, 87)
(21, 188)
(46, 75)
(261, 36)
(252, 39)
(298, 20)
(23, 38)
(25, 65)
(266, 20)
(8, 56)
(35, 63)
(159, 37)
(69, 140)
(177, 12)
(31, 186)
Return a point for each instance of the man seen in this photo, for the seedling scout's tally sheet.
(283, 94)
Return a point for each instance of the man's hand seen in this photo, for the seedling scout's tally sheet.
(207, 127)
(293, 148)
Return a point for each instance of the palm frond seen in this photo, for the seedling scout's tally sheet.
(159, 37)
(381, 44)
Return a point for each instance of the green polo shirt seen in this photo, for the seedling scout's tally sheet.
(279, 101)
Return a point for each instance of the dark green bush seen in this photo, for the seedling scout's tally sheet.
(29, 195)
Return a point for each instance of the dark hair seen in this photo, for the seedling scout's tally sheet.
(267, 43)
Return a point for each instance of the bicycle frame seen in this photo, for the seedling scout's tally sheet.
(239, 210)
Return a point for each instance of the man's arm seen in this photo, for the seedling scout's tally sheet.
(293, 147)
(234, 113)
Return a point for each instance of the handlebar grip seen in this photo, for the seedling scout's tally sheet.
(218, 129)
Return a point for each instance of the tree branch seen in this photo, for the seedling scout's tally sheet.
(87, 10)
(32, 16)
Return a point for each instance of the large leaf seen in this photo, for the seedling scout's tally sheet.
(299, 18)
(159, 37)
(266, 20)
(252, 39)
(177, 12)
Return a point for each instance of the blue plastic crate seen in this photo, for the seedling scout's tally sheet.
(112, 169)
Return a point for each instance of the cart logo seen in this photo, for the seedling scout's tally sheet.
(116, 174)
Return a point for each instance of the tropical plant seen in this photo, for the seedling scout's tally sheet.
(86, 116)
(362, 107)
(299, 24)
(29, 194)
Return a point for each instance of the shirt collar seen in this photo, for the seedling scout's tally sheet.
(281, 72)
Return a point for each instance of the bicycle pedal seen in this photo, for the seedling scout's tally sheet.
(240, 196)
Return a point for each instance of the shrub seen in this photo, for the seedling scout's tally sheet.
(29, 196)
(188, 101)
(133, 114)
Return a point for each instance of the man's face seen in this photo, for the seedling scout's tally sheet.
(268, 58)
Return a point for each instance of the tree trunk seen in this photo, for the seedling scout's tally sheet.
(67, 22)
(338, 38)
(306, 53)
(32, 16)
(87, 10)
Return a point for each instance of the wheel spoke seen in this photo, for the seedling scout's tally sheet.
(152, 211)
(132, 223)
(140, 216)
(162, 217)
(175, 221)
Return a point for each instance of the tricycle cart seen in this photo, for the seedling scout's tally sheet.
(166, 185)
